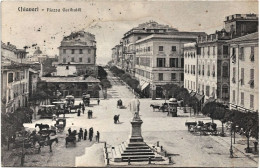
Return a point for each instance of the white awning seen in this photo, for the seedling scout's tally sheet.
(141, 83)
(144, 85)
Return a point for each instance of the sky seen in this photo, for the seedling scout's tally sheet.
(109, 20)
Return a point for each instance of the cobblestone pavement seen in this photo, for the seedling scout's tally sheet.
(185, 148)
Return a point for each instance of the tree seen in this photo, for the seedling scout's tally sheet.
(105, 84)
(102, 74)
(184, 95)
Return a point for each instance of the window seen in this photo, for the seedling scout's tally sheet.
(89, 60)
(203, 51)
(225, 92)
(89, 51)
(242, 76)
(191, 84)
(160, 62)
(234, 75)
(233, 55)
(202, 89)
(251, 82)
(72, 51)
(80, 59)
(182, 62)
(64, 51)
(199, 50)
(67, 67)
(174, 62)
(199, 69)
(173, 48)
(207, 90)
(242, 98)
(185, 69)
(225, 50)
(213, 70)
(80, 51)
(64, 60)
(252, 57)
(208, 50)
(160, 76)
(173, 76)
(10, 77)
(203, 67)
(234, 96)
(139, 38)
(188, 68)
(241, 53)
(214, 52)
(148, 48)
(160, 48)
(182, 76)
(208, 70)
(225, 70)
(72, 59)
(251, 101)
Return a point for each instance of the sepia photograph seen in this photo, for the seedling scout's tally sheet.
(120, 83)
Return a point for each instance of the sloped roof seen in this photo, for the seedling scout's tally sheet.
(248, 37)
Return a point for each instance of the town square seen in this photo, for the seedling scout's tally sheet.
(101, 88)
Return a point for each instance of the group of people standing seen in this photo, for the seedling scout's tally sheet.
(82, 135)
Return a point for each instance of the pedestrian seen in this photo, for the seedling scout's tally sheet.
(97, 137)
(83, 108)
(80, 105)
(98, 101)
(89, 114)
(69, 130)
(91, 134)
(85, 134)
(31, 118)
(78, 112)
(81, 133)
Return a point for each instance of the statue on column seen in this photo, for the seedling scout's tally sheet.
(135, 108)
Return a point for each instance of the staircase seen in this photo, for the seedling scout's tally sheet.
(135, 151)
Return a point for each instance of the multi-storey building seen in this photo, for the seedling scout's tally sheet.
(244, 64)
(137, 33)
(79, 49)
(14, 77)
(213, 66)
(160, 61)
(212, 70)
(190, 66)
(241, 24)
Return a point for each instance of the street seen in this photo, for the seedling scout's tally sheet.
(185, 148)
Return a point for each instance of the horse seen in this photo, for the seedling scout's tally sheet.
(155, 107)
(42, 126)
(116, 118)
(44, 141)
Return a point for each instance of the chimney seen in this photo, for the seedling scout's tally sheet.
(8, 43)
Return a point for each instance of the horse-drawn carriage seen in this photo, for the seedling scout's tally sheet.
(86, 99)
(202, 128)
(70, 100)
(120, 104)
(60, 124)
(59, 108)
(71, 138)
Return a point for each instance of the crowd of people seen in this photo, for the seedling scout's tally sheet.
(86, 135)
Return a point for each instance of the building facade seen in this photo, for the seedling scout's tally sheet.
(141, 31)
(244, 72)
(213, 66)
(160, 61)
(14, 77)
(78, 48)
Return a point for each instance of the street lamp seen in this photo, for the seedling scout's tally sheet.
(231, 148)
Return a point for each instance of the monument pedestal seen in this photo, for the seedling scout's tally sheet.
(136, 133)
(135, 149)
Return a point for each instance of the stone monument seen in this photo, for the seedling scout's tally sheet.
(135, 149)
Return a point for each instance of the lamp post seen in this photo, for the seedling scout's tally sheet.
(22, 157)
(231, 148)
